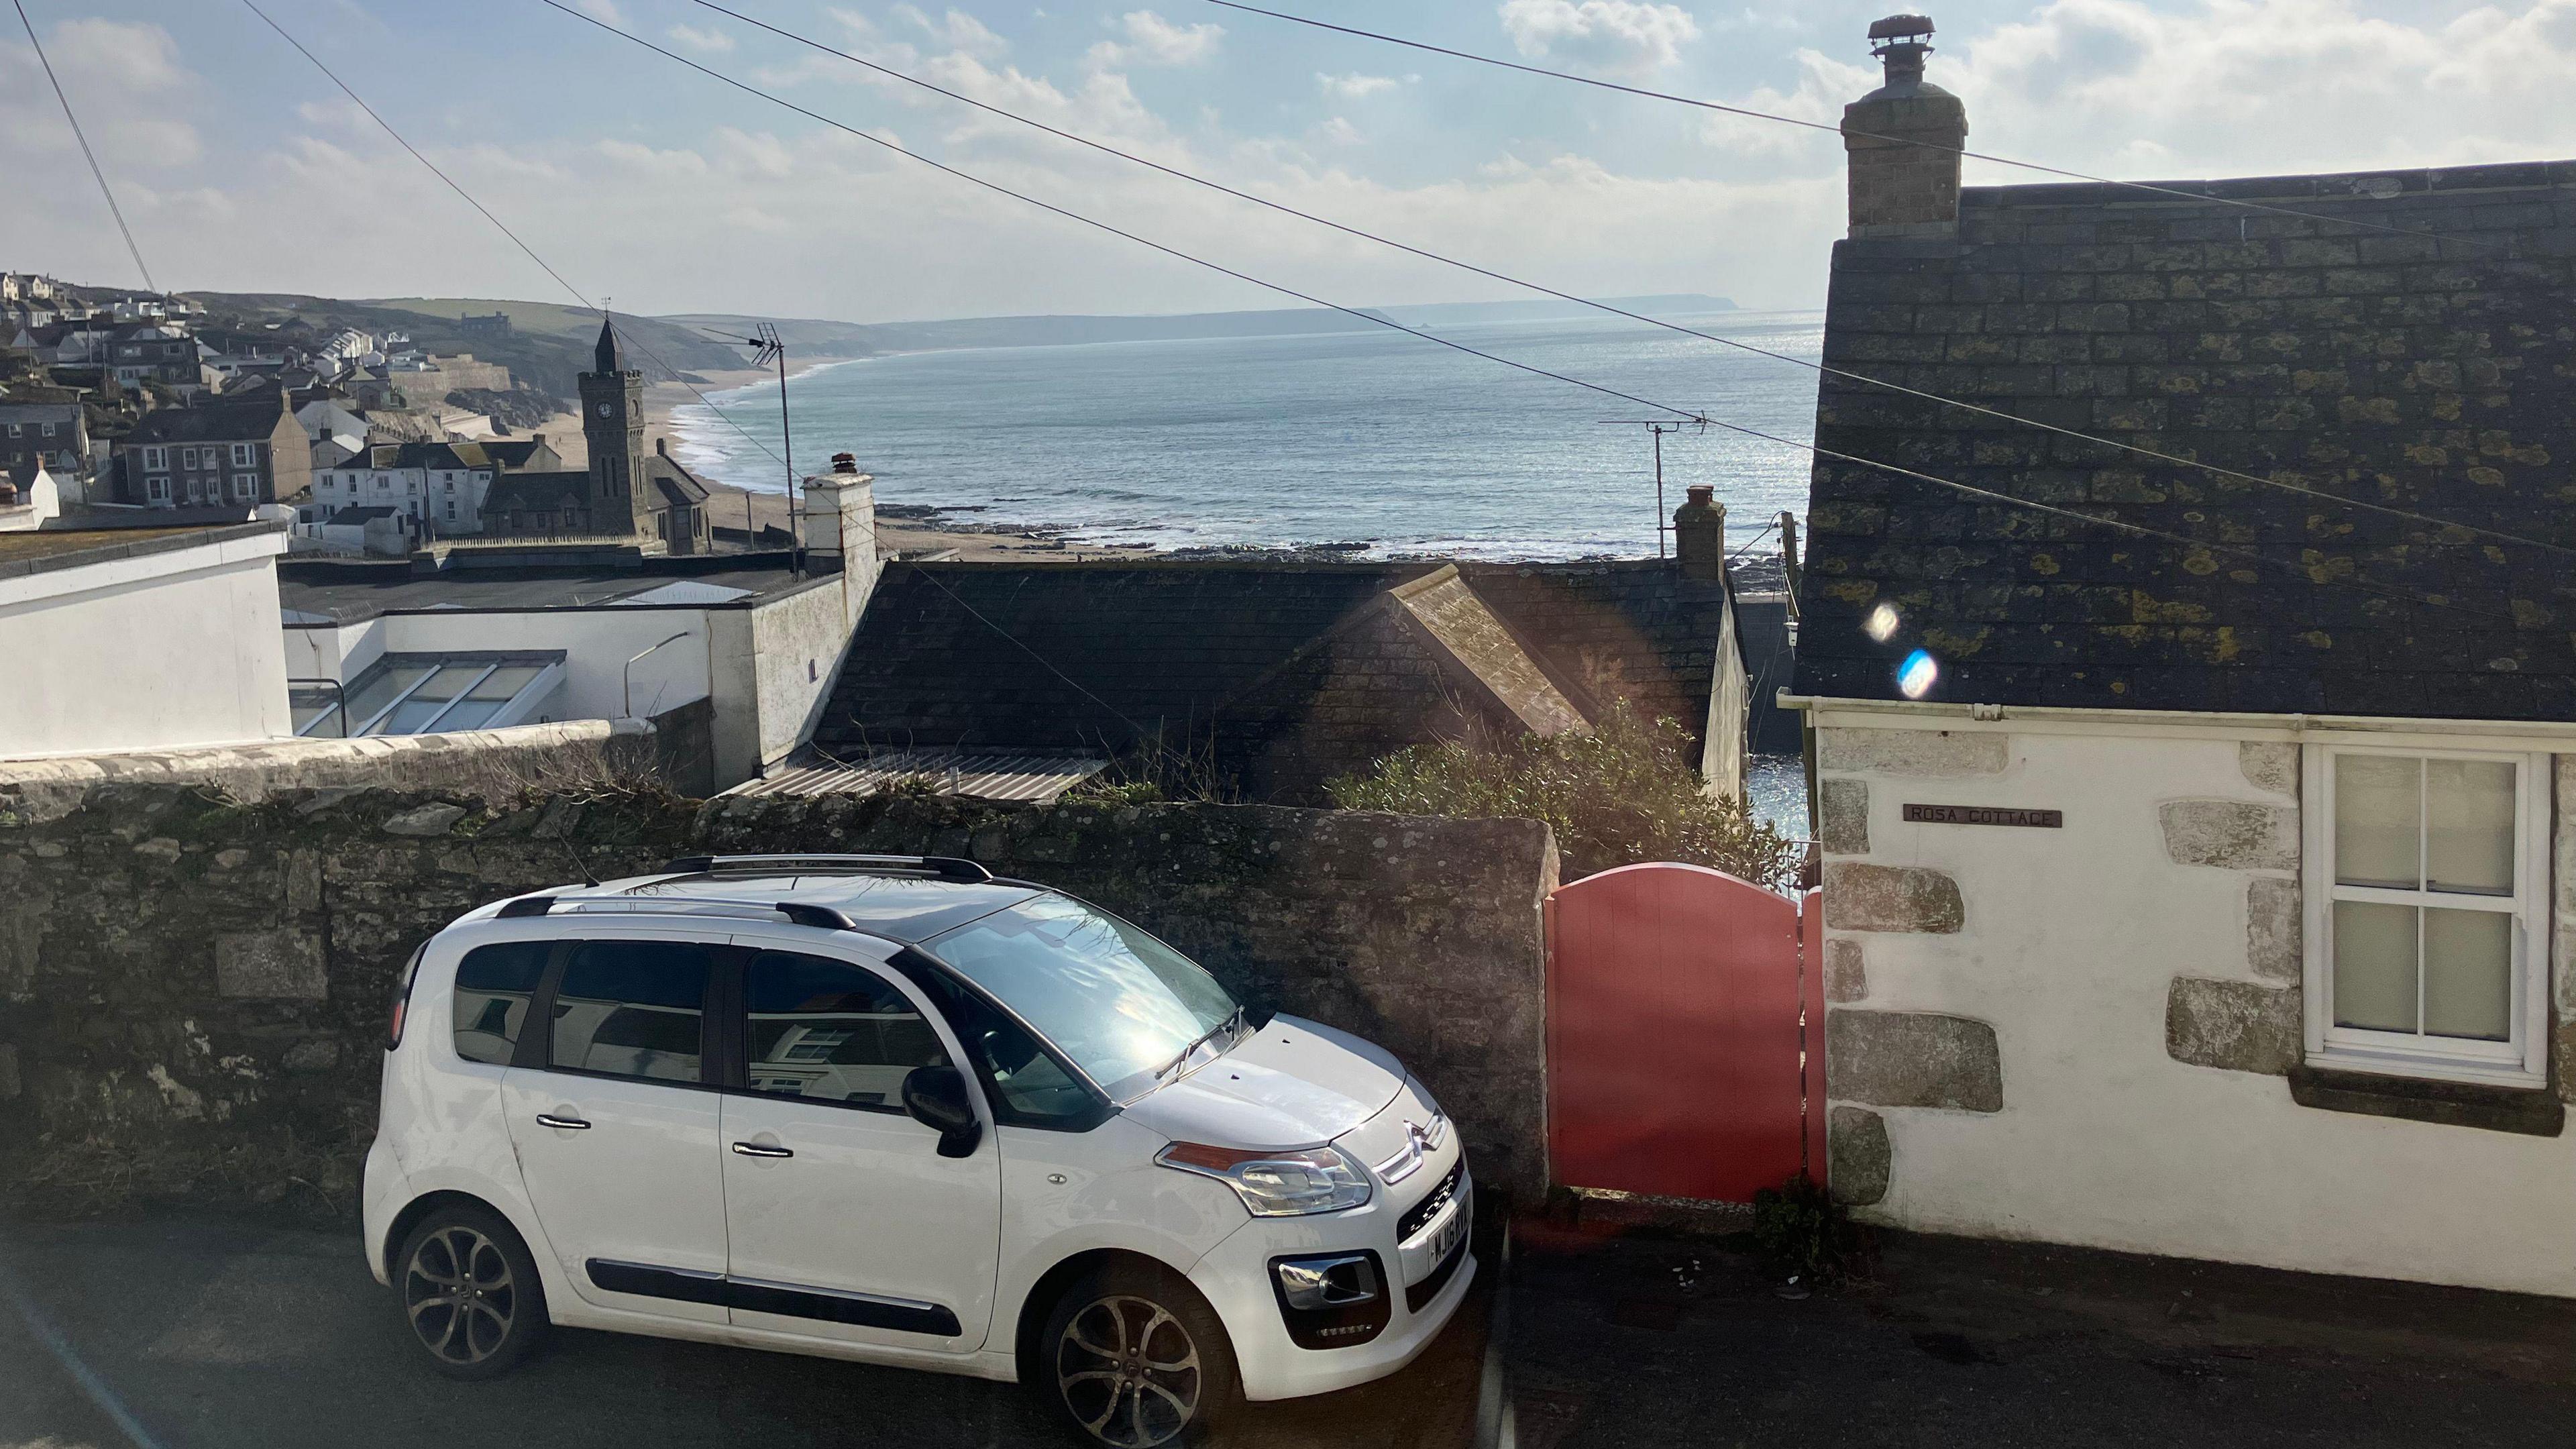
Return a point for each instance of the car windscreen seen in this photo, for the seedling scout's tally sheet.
(1118, 1002)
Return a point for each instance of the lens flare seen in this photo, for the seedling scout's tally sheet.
(1881, 623)
(1918, 674)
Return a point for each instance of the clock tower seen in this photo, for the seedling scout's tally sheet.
(612, 420)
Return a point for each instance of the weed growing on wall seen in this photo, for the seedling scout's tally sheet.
(1620, 794)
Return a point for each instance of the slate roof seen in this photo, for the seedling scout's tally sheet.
(2433, 373)
(208, 422)
(537, 492)
(1152, 645)
(1181, 648)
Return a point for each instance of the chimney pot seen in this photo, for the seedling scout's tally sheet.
(845, 463)
(1699, 533)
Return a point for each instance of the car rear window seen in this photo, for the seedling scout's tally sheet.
(493, 987)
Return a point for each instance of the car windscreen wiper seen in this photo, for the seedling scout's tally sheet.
(1233, 1019)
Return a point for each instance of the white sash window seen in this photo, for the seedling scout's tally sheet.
(2427, 884)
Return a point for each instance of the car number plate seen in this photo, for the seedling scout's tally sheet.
(1445, 1240)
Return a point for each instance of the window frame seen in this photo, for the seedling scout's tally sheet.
(2522, 1060)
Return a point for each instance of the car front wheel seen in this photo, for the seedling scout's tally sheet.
(1133, 1358)
(470, 1292)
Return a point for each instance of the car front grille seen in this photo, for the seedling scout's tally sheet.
(1420, 1214)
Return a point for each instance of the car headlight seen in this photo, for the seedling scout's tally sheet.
(1277, 1184)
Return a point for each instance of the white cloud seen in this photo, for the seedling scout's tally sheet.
(706, 42)
(1340, 132)
(601, 10)
(956, 31)
(2266, 86)
(1355, 85)
(1153, 40)
(134, 56)
(1615, 35)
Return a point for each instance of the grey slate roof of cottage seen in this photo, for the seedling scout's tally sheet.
(2434, 374)
(1158, 645)
(209, 422)
(549, 491)
(950, 654)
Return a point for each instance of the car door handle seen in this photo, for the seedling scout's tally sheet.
(549, 1119)
(762, 1149)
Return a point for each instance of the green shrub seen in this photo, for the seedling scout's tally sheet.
(1799, 1228)
(1620, 794)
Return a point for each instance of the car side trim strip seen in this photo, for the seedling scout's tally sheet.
(786, 1300)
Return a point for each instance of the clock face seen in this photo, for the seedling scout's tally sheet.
(605, 410)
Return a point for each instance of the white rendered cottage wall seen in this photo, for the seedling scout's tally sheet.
(1998, 1019)
(173, 648)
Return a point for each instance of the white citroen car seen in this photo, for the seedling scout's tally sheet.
(893, 1109)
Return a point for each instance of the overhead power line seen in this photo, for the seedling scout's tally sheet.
(2184, 193)
(86, 153)
(2169, 459)
(515, 240)
(1685, 414)
(1099, 225)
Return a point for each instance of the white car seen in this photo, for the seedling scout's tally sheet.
(892, 1109)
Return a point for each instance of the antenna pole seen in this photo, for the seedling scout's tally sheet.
(1659, 487)
(776, 351)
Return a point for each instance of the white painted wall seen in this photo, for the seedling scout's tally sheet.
(175, 648)
(2070, 944)
(767, 667)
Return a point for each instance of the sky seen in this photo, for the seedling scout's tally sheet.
(241, 168)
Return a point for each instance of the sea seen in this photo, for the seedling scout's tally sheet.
(1374, 441)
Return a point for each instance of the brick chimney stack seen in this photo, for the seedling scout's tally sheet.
(1903, 141)
(1699, 534)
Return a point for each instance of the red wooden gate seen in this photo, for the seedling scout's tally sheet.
(1675, 1062)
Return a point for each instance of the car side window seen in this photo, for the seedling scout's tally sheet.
(494, 986)
(633, 1009)
(1026, 1083)
(831, 1031)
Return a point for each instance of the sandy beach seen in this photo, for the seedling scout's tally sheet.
(899, 535)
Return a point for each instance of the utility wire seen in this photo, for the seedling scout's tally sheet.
(2177, 191)
(1686, 414)
(87, 154)
(468, 197)
(1097, 224)
(2170, 459)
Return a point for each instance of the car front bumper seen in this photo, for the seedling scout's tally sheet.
(1236, 1279)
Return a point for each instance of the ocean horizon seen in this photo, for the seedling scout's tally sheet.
(1374, 442)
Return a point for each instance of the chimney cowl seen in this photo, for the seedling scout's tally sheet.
(1901, 42)
(845, 463)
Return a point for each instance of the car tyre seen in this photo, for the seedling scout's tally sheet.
(470, 1292)
(1133, 1358)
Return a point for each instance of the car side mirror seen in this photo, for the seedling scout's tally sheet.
(936, 1098)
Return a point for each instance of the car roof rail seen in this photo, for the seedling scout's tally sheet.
(946, 867)
(801, 913)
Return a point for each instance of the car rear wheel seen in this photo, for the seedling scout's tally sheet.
(470, 1293)
(1133, 1358)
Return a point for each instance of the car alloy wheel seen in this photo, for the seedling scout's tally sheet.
(1128, 1372)
(461, 1295)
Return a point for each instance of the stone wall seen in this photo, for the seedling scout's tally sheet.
(193, 986)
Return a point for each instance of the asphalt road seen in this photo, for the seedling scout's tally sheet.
(170, 1331)
(1618, 1343)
